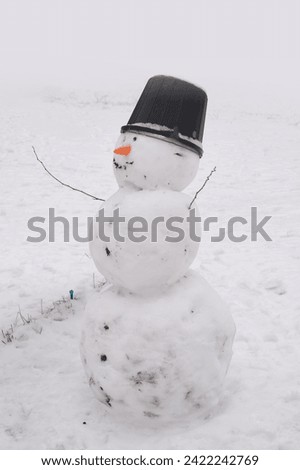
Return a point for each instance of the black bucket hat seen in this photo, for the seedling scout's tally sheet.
(171, 109)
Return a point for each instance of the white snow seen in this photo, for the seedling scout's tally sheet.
(159, 127)
(45, 398)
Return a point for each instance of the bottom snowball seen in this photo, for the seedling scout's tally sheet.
(161, 358)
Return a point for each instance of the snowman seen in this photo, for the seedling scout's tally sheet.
(157, 340)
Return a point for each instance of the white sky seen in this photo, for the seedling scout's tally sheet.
(112, 42)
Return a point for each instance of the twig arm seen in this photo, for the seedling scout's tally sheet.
(61, 182)
(196, 195)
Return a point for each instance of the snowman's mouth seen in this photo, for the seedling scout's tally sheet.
(123, 166)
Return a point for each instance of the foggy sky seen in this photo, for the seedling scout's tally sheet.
(112, 42)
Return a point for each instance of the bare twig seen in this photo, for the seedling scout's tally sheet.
(207, 178)
(24, 320)
(8, 335)
(59, 181)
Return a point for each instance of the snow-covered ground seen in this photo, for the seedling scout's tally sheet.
(45, 399)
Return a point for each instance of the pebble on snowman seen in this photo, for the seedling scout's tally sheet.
(157, 340)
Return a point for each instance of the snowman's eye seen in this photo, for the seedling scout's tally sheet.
(179, 154)
(134, 139)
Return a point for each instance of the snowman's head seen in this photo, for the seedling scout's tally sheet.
(161, 143)
(152, 162)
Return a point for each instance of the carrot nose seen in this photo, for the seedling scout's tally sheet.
(125, 151)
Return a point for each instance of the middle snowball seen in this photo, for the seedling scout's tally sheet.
(142, 239)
